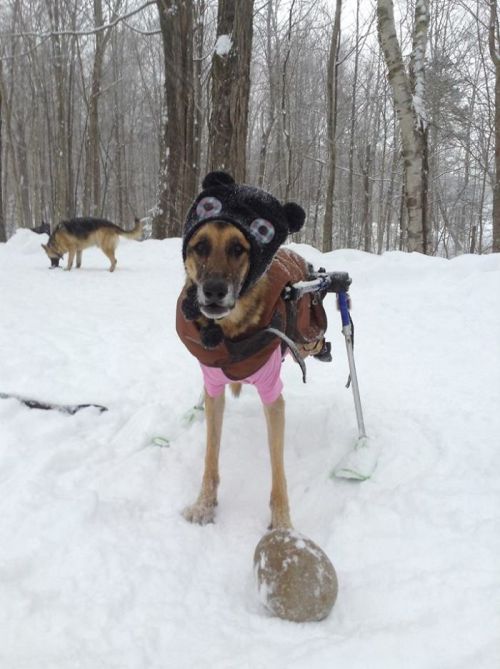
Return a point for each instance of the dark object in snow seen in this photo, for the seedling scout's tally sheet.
(47, 406)
(295, 578)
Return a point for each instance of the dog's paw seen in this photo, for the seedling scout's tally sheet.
(200, 513)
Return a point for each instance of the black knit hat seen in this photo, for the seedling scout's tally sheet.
(261, 218)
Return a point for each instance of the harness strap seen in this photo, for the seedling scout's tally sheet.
(293, 348)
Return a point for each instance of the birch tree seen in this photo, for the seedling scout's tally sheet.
(408, 89)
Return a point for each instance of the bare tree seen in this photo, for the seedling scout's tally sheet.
(61, 185)
(331, 128)
(92, 180)
(3, 231)
(231, 87)
(178, 172)
(352, 169)
(494, 46)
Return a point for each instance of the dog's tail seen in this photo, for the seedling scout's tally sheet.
(235, 389)
(135, 233)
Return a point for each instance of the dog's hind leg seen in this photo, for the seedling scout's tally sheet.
(110, 253)
(108, 247)
(78, 258)
(275, 419)
(203, 510)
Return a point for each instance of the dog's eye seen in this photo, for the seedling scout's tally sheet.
(262, 230)
(236, 249)
(202, 248)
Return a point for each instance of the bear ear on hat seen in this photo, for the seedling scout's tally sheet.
(295, 216)
(217, 179)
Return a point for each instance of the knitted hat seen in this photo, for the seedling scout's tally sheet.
(261, 218)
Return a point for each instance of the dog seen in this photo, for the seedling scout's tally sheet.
(235, 275)
(77, 234)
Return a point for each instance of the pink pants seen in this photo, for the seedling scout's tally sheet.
(267, 379)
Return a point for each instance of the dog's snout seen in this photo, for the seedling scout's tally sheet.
(215, 290)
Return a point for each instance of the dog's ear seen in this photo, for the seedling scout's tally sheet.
(295, 216)
(217, 179)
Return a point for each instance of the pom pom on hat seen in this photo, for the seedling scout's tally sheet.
(295, 216)
(217, 179)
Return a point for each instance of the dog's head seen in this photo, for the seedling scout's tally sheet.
(217, 263)
(231, 235)
(53, 254)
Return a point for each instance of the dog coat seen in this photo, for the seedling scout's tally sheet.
(303, 321)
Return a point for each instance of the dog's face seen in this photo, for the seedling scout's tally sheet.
(217, 262)
(53, 255)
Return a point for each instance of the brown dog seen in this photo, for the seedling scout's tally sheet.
(232, 315)
(217, 262)
(77, 234)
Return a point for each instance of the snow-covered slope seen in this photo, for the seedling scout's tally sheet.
(98, 569)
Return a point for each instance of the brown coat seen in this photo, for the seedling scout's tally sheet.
(303, 321)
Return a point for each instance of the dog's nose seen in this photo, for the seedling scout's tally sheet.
(215, 289)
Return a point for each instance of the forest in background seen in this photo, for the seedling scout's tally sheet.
(89, 92)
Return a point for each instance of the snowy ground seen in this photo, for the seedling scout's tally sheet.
(99, 570)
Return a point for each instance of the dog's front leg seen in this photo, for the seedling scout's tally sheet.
(203, 510)
(275, 419)
(71, 257)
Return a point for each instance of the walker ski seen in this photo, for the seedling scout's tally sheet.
(360, 463)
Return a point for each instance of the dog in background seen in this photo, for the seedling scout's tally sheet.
(77, 234)
(231, 313)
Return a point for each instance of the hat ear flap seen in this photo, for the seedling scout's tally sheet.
(217, 179)
(295, 216)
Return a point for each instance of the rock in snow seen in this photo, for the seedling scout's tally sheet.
(295, 577)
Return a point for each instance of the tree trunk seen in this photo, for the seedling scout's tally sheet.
(231, 87)
(92, 204)
(494, 46)
(408, 106)
(366, 220)
(268, 116)
(3, 231)
(331, 129)
(178, 171)
(61, 160)
(350, 179)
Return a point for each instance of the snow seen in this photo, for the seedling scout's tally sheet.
(223, 45)
(99, 569)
